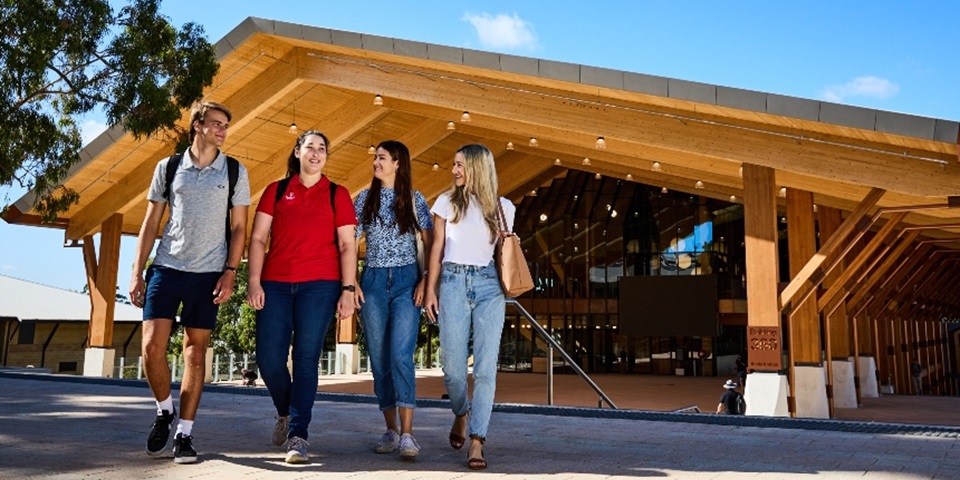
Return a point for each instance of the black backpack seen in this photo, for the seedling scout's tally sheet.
(233, 174)
(741, 405)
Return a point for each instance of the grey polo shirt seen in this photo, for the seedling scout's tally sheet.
(194, 239)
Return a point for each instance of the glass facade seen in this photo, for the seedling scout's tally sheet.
(580, 234)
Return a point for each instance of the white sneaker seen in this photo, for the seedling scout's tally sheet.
(389, 442)
(409, 448)
(297, 450)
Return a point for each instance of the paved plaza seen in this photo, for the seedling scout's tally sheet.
(70, 427)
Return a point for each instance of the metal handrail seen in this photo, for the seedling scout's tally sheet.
(551, 345)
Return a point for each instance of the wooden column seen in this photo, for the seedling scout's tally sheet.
(802, 244)
(103, 290)
(839, 324)
(760, 225)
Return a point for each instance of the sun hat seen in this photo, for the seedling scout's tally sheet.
(730, 384)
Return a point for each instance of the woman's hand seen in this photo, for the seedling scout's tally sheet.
(255, 296)
(347, 304)
(358, 298)
(432, 307)
(418, 296)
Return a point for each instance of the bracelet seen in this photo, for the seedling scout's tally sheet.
(228, 267)
(426, 274)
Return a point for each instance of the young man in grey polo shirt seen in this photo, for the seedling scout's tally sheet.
(193, 268)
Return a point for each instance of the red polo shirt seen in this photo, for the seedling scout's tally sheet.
(303, 247)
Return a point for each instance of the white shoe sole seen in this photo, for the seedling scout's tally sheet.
(297, 459)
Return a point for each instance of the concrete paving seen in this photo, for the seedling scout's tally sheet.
(68, 427)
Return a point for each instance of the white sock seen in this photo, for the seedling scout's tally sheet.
(165, 405)
(185, 427)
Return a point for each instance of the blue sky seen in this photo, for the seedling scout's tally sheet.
(898, 56)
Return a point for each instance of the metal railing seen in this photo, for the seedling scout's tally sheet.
(553, 345)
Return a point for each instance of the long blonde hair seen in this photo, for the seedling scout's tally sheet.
(481, 184)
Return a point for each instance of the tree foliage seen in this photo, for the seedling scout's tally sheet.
(236, 321)
(60, 59)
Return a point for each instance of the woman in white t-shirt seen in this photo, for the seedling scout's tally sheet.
(461, 261)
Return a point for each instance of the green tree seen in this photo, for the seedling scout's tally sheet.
(236, 321)
(61, 59)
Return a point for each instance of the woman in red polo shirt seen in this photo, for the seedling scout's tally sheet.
(309, 271)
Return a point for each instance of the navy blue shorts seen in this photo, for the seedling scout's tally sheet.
(167, 289)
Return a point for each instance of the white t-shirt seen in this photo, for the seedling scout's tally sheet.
(467, 242)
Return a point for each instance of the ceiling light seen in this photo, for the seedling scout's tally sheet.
(601, 143)
(372, 150)
(465, 118)
(509, 145)
(656, 167)
(629, 177)
(378, 100)
(533, 193)
(613, 214)
(598, 176)
(664, 190)
(293, 129)
(557, 162)
(814, 208)
(543, 217)
(533, 142)
(733, 198)
(586, 161)
(436, 167)
(451, 126)
(783, 192)
(698, 185)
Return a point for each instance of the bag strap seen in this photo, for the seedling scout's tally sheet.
(172, 165)
(233, 175)
(501, 218)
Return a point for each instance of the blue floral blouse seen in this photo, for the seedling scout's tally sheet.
(385, 246)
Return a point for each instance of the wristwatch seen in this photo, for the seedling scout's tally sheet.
(349, 288)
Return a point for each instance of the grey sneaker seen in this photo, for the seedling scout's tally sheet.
(281, 430)
(389, 442)
(409, 448)
(297, 450)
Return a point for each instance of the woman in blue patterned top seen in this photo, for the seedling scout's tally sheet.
(390, 213)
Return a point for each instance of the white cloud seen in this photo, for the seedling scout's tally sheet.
(503, 31)
(90, 129)
(869, 86)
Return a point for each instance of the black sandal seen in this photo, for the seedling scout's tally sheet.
(456, 440)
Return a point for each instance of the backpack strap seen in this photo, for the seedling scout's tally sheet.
(281, 190)
(233, 175)
(173, 163)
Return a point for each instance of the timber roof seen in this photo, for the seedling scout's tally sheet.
(274, 73)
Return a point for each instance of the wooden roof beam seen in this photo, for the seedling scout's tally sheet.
(245, 104)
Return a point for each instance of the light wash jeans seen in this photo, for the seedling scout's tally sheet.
(471, 296)
(391, 323)
(303, 311)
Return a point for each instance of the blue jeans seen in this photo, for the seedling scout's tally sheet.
(303, 311)
(391, 323)
(471, 296)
